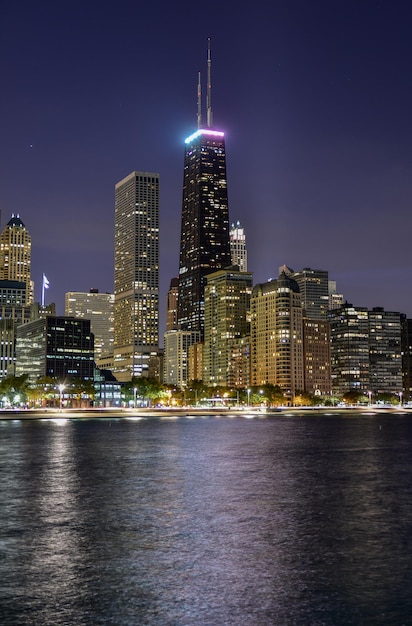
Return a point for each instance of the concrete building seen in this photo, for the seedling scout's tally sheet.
(276, 341)
(335, 299)
(99, 309)
(136, 276)
(316, 354)
(196, 361)
(227, 320)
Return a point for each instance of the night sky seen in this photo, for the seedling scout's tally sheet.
(315, 98)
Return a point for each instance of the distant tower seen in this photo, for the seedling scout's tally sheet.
(238, 250)
(204, 243)
(314, 292)
(15, 255)
(136, 274)
(171, 307)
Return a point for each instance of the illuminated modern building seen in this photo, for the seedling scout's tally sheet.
(238, 250)
(276, 341)
(98, 308)
(349, 332)
(136, 274)
(204, 243)
(15, 255)
(176, 356)
(366, 350)
(13, 312)
(7, 347)
(227, 311)
(385, 354)
(55, 346)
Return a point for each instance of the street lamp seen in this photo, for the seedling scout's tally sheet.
(248, 397)
(134, 397)
(400, 397)
(61, 388)
(370, 398)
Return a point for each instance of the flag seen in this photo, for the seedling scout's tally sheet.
(46, 283)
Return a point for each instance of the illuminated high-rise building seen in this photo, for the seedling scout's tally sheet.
(15, 255)
(204, 244)
(276, 335)
(136, 274)
(227, 323)
(238, 250)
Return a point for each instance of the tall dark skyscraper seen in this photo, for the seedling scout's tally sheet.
(204, 243)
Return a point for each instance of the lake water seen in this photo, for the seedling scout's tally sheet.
(284, 519)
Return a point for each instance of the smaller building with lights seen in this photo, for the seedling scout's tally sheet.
(55, 346)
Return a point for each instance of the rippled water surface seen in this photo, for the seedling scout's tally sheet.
(273, 520)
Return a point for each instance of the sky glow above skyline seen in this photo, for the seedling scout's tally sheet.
(314, 99)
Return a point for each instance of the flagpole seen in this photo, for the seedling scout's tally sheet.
(45, 285)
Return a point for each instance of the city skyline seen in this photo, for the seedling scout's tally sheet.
(314, 102)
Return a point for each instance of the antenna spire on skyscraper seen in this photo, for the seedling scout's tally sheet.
(209, 87)
(199, 103)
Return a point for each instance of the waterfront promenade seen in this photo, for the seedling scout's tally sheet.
(189, 411)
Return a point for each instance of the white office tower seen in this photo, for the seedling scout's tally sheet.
(99, 309)
(136, 275)
(238, 250)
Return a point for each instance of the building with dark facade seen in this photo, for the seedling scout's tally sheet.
(314, 291)
(406, 347)
(204, 243)
(349, 333)
(55, 346)
(13, 312)
(385, 355)
(365, 351)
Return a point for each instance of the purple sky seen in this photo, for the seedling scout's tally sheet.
(315, 98)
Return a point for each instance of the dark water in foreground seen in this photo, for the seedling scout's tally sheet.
(273, 520)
